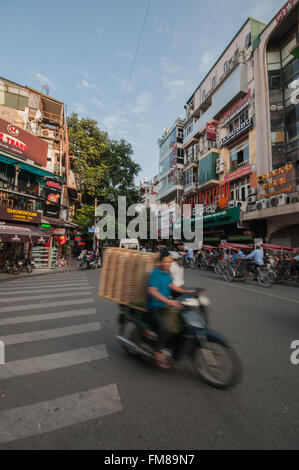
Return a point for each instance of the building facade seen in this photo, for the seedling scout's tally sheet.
(38, 190)
(219, 140)
(276, 68)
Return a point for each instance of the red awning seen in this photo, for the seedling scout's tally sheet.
(28, 233)
(278, 248)
(8, 232)
(208, 247)
(237, 246)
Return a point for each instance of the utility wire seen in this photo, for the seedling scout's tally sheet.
(134, 61)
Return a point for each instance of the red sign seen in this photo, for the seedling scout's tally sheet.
(235, 175)
(234, 109)
(52, 184)
(211, 131)
(285, 10)
(20, 143)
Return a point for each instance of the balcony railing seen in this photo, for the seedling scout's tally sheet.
(19, 197)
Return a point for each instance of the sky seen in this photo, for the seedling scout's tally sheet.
(86, 52)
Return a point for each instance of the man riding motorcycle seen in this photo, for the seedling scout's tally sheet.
(160, 286)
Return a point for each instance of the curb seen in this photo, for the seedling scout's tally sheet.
(26, 276)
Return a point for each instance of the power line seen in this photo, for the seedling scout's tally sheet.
(134, 61)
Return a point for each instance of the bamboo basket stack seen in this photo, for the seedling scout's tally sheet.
(125, 276)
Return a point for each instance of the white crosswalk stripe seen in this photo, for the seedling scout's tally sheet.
(46, 316)
(41, 300)
(48, 334)
(49, 295)
(57, 288)
(52, 361)
(55, 414)
(62, 303)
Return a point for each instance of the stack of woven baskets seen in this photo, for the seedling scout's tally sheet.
(125, 275)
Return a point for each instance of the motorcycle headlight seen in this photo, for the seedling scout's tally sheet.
(204, 300)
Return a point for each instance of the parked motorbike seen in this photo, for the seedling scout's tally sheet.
(26, 265)
(213, 357)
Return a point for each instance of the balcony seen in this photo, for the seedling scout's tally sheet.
(190, 188)
(233, 87)
(16, 197)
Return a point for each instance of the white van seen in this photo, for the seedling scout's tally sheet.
(129, 244)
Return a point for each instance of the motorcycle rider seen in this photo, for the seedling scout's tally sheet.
(160, 286)
(258, 257)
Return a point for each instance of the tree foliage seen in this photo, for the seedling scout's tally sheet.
(106, 168)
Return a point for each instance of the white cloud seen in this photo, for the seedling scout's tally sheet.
(98, 103)
(97, 34)
(80, 108)
(43, 80)
(125, 55)
(115, 122)
(207, 60)
(174, 80)
(123, 84)
(143, 103)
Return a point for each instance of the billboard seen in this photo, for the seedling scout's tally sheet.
(22, 144)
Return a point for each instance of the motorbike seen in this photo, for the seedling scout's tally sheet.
(10, 266)
(214, 359)
(26, 265)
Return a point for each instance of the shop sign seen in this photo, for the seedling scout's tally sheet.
(224, 217)
(280, 181)
(209, 209)
(235, 109)
(52, 199)
(236, 133)
(59, 231)
(22, 144)
(240, 173)
(285, 10)
(17, 215)
(211, 131)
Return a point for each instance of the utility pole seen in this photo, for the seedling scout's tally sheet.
(94, 225)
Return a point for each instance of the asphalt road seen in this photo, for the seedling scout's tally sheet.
(67, 384)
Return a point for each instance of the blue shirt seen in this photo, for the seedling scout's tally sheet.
(161, 280)
(190, 254)
(258, 256)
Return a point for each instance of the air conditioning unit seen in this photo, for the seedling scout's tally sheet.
(242, 205)
(280, 200)
(262, 204)
(233, 204)
(294, 199)
(220, 161)
(48, 133)
(251, 199)
(252, 192)
(251, 207)
(219, 169)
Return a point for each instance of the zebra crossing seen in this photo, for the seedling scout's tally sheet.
(50, 330)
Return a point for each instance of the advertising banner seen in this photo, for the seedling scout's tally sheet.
(18, 215)
(22, 144)
(52, 199)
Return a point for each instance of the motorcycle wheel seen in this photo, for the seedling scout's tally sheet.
(204, 265)
(217, 364)
(15, 269)
(129, 331)
(228, 274)
(192, 264)
(266, 279)
(285, 278)
(29, 269)
(218, 269)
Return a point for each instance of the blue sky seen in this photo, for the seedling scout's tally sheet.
(85, 51)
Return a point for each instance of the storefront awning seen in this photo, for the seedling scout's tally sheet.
(28, 233)
(26, 167)
(10, 232)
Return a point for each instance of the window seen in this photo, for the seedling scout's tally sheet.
(226, 66)
(214, 81)
(248, 41)
(239, 155)
(204, 95)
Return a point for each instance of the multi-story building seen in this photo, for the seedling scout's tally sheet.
(171, 183)
(275, 215)
(37, 185)
(150, 190)
(219, 139)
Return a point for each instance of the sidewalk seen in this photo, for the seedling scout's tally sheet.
(39, 272)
